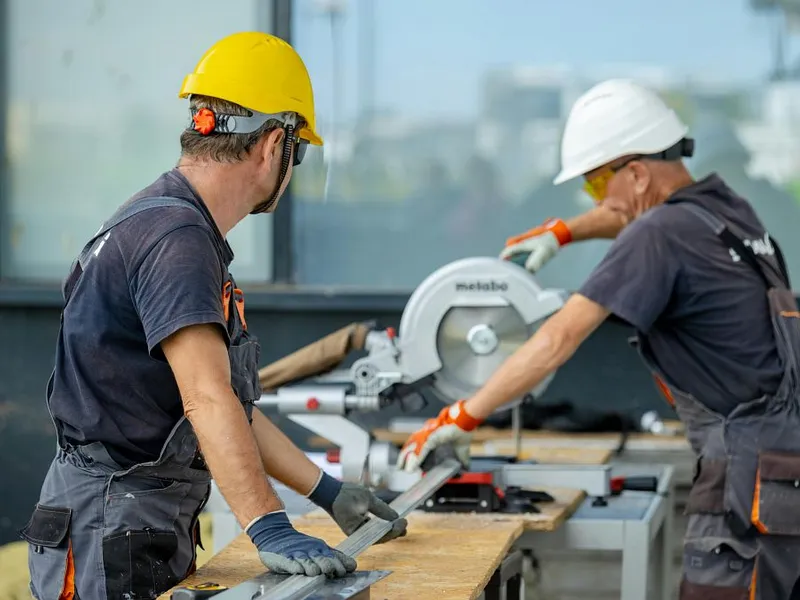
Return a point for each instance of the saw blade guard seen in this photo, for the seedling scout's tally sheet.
(466, 318)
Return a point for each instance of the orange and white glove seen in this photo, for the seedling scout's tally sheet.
(453, 426)
(540, 244)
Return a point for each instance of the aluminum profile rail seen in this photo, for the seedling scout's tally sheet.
(298, 587)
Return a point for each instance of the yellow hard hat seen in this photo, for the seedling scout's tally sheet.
(257, 71)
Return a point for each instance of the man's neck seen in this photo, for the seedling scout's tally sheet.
(673, 182)
(223, 188)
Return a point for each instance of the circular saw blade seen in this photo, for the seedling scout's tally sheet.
(472, 342)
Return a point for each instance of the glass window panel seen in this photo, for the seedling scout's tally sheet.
(443, 122)
(93, 117)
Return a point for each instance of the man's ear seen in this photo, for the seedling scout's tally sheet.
(641, 176)
(273, 145)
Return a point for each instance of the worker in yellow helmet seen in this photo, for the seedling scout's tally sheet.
(155, 373)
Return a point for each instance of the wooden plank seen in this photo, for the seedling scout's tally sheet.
(546, 454)
(423, 563)
(553, 514)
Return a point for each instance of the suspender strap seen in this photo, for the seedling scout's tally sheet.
(734, 241)
(79, 265)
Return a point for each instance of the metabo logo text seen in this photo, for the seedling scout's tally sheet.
(481, 286)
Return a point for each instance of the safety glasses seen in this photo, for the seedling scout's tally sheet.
(597, 186)
(300, 147)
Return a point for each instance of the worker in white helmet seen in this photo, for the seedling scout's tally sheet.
(706, 289)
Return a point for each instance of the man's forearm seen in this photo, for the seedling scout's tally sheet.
(520, 373)
(597, 223)
(549, 348)
(232, 455)
(281, 458)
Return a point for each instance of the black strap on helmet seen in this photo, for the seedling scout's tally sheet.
(289, 142)
(683, 149)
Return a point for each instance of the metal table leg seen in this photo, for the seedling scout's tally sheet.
(664, 547)
(507, 583)
(653, 530)
(635, 560)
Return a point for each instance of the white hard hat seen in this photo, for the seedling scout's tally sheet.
(616, 118)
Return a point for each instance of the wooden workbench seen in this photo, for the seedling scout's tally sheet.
(443, 557)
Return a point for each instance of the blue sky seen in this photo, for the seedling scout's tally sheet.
(430, 55)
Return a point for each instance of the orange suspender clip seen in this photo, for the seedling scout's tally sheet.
(238, 298)
(226, 300)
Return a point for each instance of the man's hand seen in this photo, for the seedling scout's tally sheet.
(540, 244)
(543, 242)
(350, 505)
(453, 426)
(283, 549)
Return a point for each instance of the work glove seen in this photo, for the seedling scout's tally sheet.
(453, 426)
(283, 549)
(540, 244)
(350, 504)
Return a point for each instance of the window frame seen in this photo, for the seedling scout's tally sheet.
(282, 220)
(5, 237)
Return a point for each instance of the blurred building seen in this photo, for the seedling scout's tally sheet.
(773, 137)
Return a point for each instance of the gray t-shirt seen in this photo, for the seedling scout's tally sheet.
(158, 272)
(703, 314)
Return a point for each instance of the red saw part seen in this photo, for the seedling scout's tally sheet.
(475, 478)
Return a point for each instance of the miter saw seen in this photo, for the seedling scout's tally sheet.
(461, 323)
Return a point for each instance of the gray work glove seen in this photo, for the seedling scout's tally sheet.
(536, 247)
(283, 549)
(350, 505)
